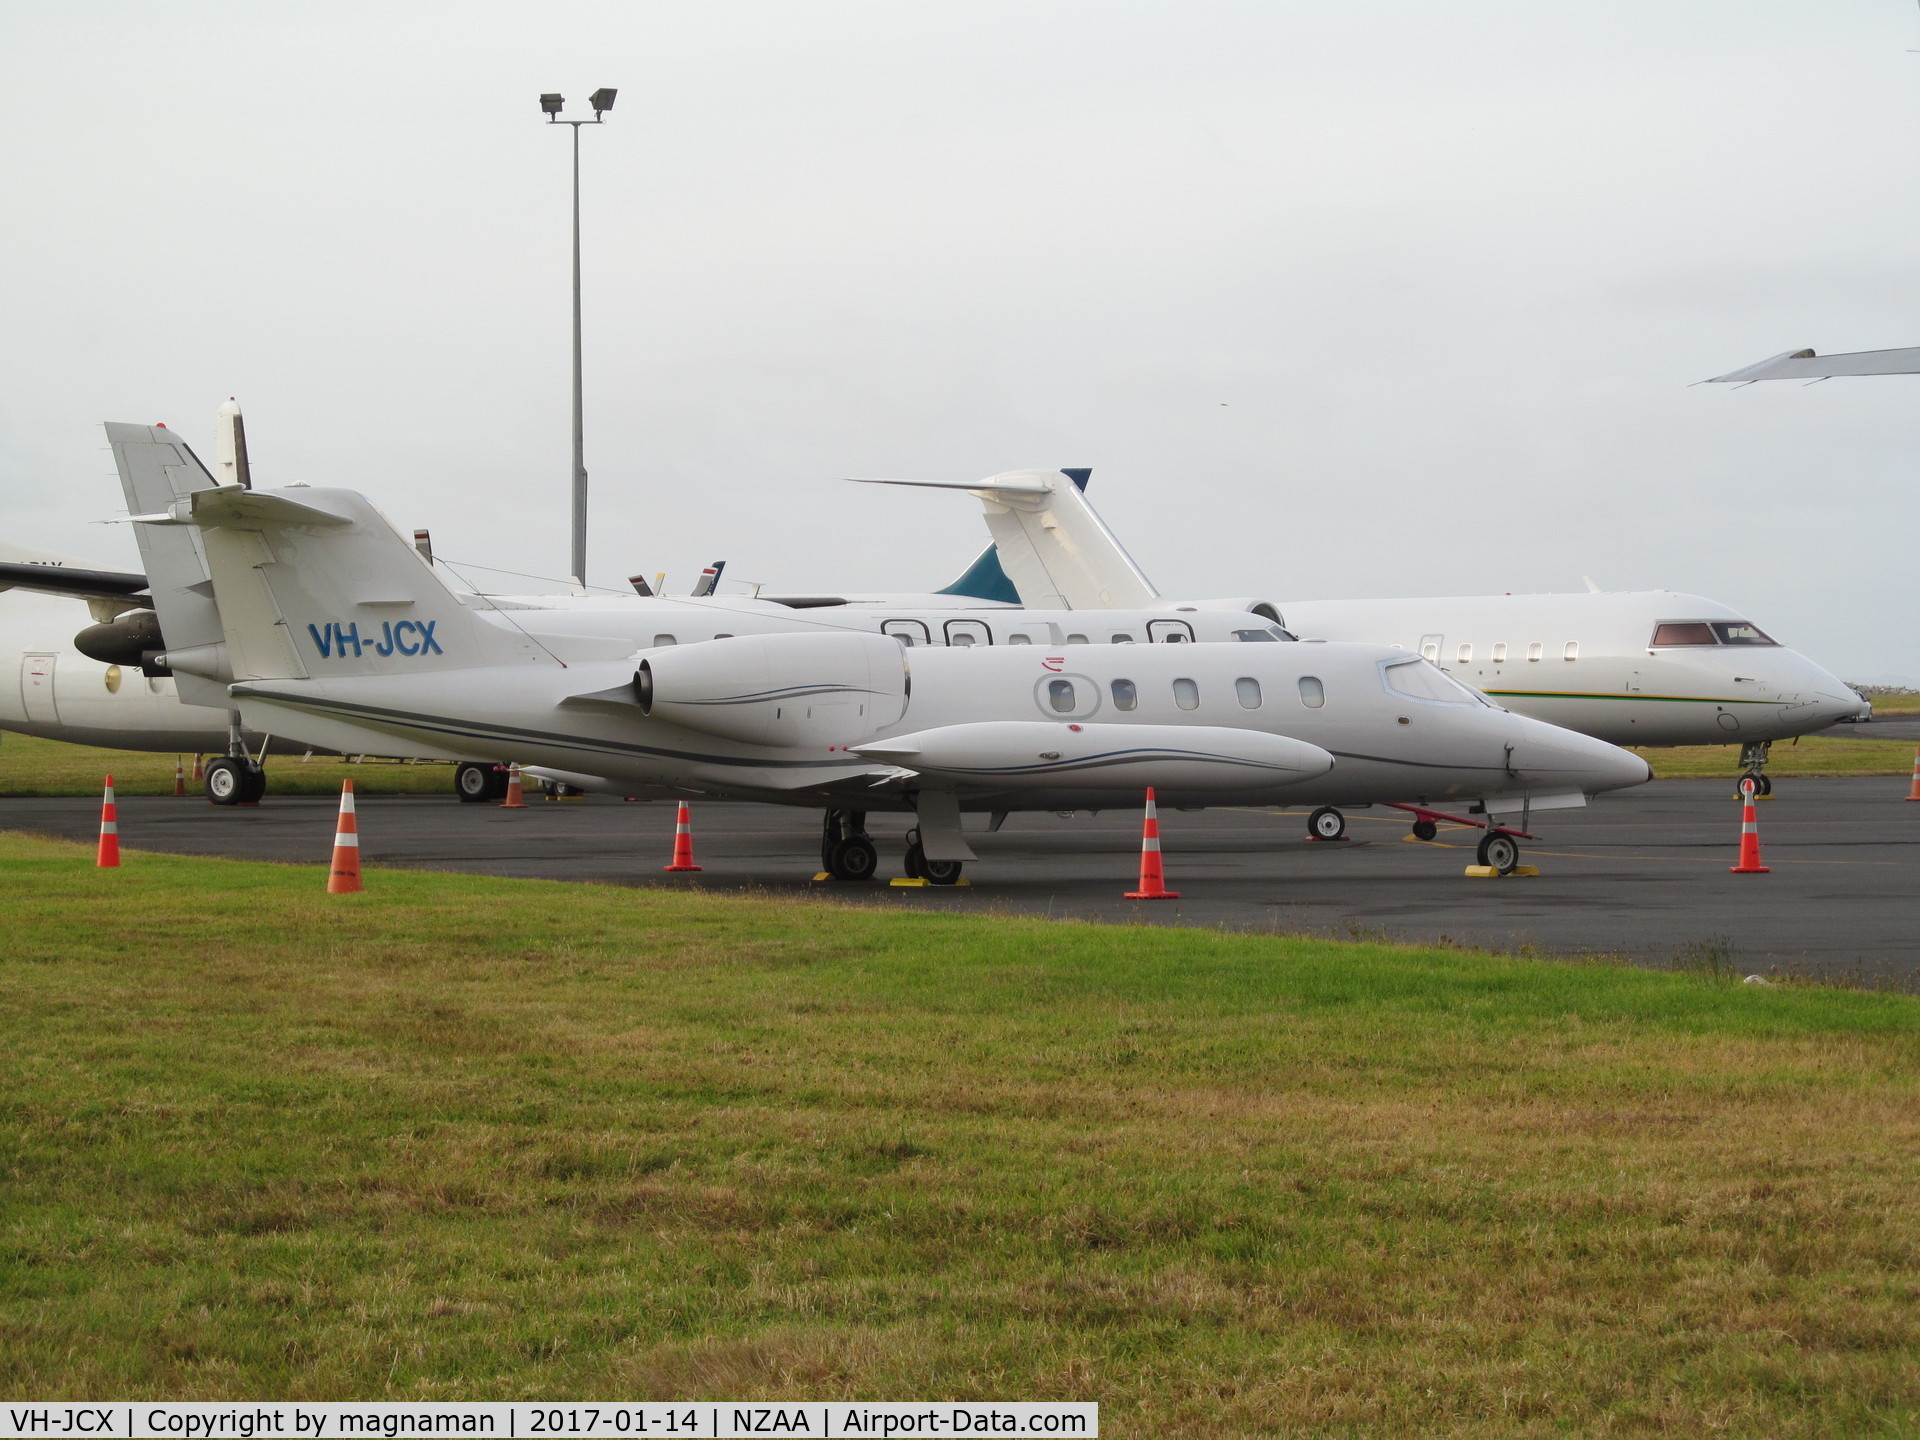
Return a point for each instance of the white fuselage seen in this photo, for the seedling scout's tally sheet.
(1588, 662)
(1387, 744)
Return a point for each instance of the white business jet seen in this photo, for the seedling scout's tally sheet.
(317, 620)
(1634, 668)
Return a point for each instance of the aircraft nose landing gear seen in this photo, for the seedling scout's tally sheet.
(846, 850)
(1753, 766)
(1499, 852)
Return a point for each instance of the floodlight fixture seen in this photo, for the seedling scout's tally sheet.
(552, 103)
(602, 100)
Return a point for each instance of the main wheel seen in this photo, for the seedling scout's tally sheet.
(1425, 830)
(914, 865)
(477, 784)
(256, 785)
(941, 872)
(1326, 823)
(1501, 852)
(852, 859)
(226, 781)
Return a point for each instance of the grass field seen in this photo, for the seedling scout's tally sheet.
(31, 766)
(1836, 753)
(465, 1137)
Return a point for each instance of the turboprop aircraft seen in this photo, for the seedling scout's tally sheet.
(1634, 668)
(317, 620)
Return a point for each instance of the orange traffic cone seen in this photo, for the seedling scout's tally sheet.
(1913, 792)
(1152, 882)
(514, 800)
(109, 857)
(1749, 835)
(683, 840)
(199, 768)
(179, 778)
(343, 877)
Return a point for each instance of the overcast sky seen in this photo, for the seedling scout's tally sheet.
(1341, 298)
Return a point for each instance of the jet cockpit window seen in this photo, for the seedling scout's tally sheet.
(1265, 633)
(1682, 632)
(1423, 680)
(1741, 632)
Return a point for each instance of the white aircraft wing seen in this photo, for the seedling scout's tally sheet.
(1805, 365)
(1056, 550)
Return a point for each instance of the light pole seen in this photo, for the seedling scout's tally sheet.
(602, 101)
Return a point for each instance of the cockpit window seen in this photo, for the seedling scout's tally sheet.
(1422, 680)
(1266, 633)
(1741, 632)
(1708, 632)
(1683, 632)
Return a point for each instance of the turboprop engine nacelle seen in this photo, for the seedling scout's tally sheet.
(778, 689)
(1052, 756)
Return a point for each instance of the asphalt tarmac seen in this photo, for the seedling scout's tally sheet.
(1641, 874)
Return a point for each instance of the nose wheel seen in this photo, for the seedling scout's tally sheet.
(846, 850)
(1500, 853)
(1753, 766)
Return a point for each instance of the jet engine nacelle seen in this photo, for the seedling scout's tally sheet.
(1046, 755)
(778, 689)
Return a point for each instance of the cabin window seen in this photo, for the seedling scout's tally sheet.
(1060, 696)
(1186, 694)
(968, 632)
(1464, 654)
(1500, 653)
(1125, 695)
(1123, 639)
(665, 640)
(1247, 689)
(1571, 651)
(1076, 639)
(1430, 648)
(1019, 640)
(1536, 650)
(1312, 693)
(1169, 632)
(907, 632)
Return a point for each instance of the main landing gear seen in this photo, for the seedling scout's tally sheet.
(235, 780)
(1753, 766)
(934, 872)
(1500, 852)
(846, 850)
(477, 784)
(1326, 823)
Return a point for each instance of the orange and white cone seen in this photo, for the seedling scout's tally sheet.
(515, 800)
(1913, 792)
(109, 857)
(343, 877)
(1153, 884)
(683, 840)
(199, 768)
(179, 778)
(1749, 835)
